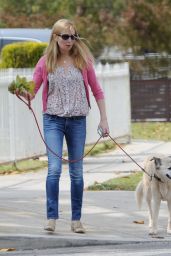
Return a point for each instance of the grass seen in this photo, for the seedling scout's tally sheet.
(128, 182)
(152, 131)
(101, 147)
(22, 166)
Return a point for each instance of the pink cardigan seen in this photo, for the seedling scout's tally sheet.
(89, 77)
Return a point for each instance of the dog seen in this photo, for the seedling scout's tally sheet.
(155, 186)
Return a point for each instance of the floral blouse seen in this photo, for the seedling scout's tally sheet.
(66, 94)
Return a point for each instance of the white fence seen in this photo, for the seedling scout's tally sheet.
(19, 137)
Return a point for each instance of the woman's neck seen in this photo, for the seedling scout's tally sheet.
(64, 54)
(65, 59)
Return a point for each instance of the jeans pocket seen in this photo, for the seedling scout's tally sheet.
(47, 117)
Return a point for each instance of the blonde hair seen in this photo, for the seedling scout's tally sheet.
(80, 52)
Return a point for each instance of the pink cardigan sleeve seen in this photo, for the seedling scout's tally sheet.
(38, 76)
(94, 84)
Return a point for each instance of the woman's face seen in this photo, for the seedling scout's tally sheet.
(66, 39)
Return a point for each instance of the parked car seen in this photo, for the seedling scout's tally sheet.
(13, 35)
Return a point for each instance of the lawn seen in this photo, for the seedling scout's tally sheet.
(127, 182)
(151, 131)
(22, 166)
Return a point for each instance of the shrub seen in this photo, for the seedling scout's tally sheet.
(21, 55)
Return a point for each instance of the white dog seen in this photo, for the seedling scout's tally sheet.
(156, 189)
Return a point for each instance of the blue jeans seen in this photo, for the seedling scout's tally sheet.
(74, 130)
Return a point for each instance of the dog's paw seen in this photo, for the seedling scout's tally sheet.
(152, 232)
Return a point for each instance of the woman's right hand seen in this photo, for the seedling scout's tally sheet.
(28, 96)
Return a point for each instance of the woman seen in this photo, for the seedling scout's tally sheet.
(66, 72)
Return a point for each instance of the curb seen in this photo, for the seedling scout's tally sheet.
(45, 242)
(31, 243)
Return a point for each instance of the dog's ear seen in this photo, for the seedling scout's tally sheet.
(157, 162)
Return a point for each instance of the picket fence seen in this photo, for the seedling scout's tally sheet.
(19, 137)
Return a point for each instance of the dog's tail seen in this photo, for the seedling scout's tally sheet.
(139, 194)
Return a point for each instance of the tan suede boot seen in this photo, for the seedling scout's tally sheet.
(77, 227)
(50, 225)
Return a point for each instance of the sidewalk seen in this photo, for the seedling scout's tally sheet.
(108, 216)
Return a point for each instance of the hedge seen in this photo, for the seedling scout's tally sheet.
(21, 55)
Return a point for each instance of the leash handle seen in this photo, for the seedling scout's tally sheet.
(27, 103)
(100, 131)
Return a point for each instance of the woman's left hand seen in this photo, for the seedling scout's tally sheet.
(103, 125)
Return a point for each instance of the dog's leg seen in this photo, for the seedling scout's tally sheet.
(148, 198)
(155, 211)
(139, 194)
(169, 217)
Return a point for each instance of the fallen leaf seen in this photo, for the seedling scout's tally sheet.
(138, 221)
(7, 249)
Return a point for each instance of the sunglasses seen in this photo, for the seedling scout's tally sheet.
(66, 36)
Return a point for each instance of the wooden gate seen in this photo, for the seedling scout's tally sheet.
(151, 100)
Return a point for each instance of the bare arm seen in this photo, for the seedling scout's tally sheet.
(103, 117)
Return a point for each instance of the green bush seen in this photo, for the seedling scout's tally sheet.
(21, 55)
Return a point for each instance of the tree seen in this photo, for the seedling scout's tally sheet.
(142, 25)
(95, 19)
(146, 26)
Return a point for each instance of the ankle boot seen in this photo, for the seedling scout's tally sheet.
(50, 225)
